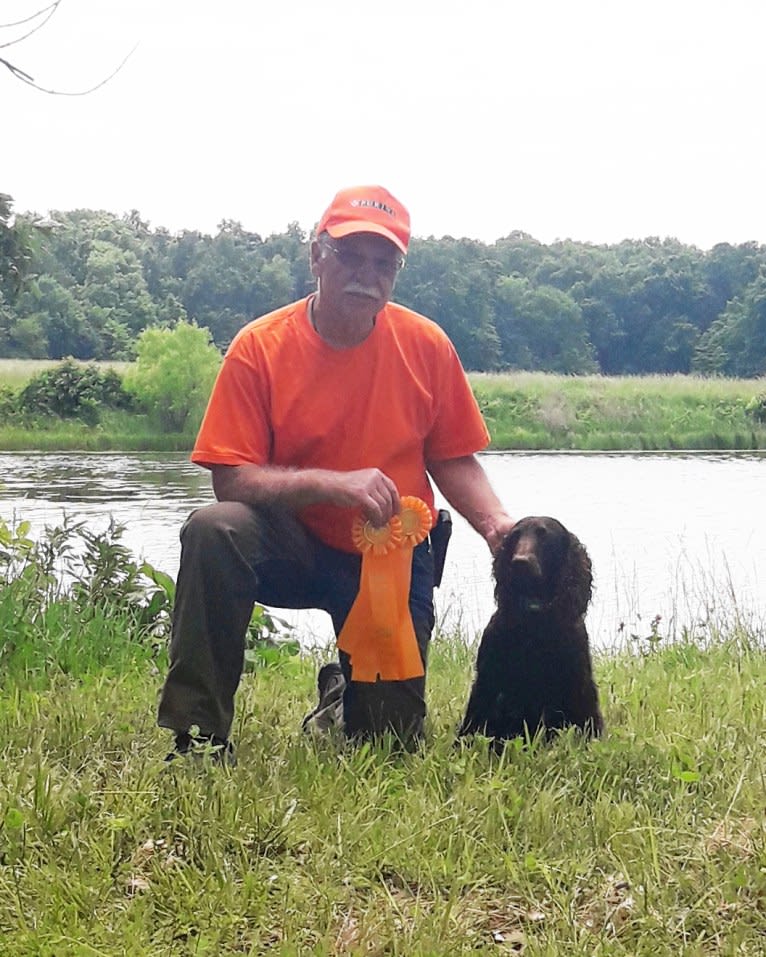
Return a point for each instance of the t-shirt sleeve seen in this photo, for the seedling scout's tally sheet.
(458, 428)
(235, 429)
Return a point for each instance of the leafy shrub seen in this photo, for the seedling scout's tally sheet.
(52, 590)
(756, 407)
(71, 390)
(270, 642)
(9, 403)
(173, 374)
(76, 601)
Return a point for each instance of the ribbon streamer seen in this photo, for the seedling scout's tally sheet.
(378, 634)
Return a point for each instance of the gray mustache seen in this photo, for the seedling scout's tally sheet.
(354, 287)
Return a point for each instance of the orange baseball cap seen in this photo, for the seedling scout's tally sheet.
(367, 209)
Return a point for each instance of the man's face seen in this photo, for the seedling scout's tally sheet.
(356, 274)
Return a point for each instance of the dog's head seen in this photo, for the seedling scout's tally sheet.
(542, 566)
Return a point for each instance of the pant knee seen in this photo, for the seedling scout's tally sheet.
(211, 521)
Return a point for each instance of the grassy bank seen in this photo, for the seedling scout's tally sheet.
(113, 429)
(647, 842)
(117, 431)
(592, 413)
(15, 373)
(524, 411)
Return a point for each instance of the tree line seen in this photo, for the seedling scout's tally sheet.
(86, 283)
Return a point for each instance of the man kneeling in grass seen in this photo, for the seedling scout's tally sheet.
(329, 410)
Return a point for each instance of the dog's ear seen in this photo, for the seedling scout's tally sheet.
(576, 580)
(501, 569)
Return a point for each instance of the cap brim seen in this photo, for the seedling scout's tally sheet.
(348, 229)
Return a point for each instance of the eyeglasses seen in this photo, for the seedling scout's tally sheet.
(383, 266)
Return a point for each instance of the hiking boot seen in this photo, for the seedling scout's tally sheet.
(201, 746)
(328, 713)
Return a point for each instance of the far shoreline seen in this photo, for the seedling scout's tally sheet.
(524, 411)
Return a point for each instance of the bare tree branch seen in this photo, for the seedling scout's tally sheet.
(52, 8)
(19, 74)
(26, 78)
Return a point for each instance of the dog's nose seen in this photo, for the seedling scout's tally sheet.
(526, 566)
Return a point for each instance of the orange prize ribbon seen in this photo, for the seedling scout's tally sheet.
(378, 634)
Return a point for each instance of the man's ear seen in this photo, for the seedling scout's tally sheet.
(315, 257)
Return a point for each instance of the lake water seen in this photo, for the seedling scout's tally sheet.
(678, 536)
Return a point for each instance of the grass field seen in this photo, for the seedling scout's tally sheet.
(651, 841)
(15, 373)
(524, 411)
(115, 430)
(590, 413)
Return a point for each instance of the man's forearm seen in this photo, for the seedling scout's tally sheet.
(465, 485)
(269, 485)
(368, 490)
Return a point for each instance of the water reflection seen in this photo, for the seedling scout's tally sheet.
(100, 477)
(677, 536)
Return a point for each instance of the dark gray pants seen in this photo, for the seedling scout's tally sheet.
(233, 555)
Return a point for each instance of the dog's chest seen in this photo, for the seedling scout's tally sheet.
(526, 666)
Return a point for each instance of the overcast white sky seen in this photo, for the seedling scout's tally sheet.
(597, 120)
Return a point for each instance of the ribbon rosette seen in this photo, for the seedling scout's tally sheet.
(378, 634)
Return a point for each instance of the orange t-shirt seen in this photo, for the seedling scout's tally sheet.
(394, 402)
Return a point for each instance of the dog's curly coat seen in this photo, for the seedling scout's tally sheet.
(533, 670)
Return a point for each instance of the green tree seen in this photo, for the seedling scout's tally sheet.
(237, 278)
(735, 344)
(542, 328)
(21, 338)
(293, 246)
(510, 323)
(91, 282)
(729, 270)
(173, 374)
(16, 250)
(115, 288)
(452, 281)
(60, 318)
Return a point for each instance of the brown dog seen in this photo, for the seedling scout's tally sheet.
(533, 670)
